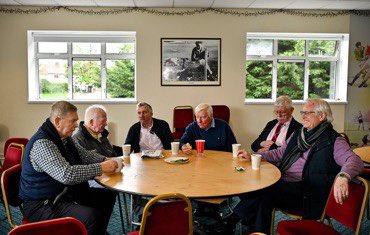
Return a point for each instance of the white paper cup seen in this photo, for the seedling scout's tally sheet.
(175, 147)
(126, 159)
(256, 161)
(126, 149)
(236, 148)
(120, 164)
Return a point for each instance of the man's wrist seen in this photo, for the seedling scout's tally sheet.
(344, 175)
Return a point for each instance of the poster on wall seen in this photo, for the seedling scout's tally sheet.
(190, 61)
(357, 124)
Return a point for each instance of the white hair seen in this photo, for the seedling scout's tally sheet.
(320, 107)
(206, 107)
(92, 112)
(146, 105)
(283, 101)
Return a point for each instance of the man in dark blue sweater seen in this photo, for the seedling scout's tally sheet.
(216, 132)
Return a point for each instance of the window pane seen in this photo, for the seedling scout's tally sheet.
(53, 79)
(291, 47)
(290, 80)
(52, 47)
(86, 48)
(260, 46)
(321, 79)
(259, 80)
(120, 48)
(87, 80)
(120, 78)
(322, 47)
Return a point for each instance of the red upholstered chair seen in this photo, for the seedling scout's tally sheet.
(170, 217)
(61, 226)
(296, 214)
(13, 156)
(221, 112)
(349, 214)
(364, 154)
(23, 141)
(10, 189)
(182, 117)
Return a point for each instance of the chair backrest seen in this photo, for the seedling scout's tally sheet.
(221, 112)
(13, 156)
(10, 189)
(351, 212)
(23, 141)
(59, 226)
(170, 217)
(363, 153)
(182, 116)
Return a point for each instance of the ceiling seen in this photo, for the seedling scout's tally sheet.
(265, 4)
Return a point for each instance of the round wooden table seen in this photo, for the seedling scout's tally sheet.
(211, 175)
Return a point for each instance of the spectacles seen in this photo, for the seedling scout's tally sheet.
(306, 112)
(282, 113)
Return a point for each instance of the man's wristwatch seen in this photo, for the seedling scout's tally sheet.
(344, 175)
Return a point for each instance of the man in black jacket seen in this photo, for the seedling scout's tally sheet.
(92, 134)
(277, 131)
(149, 133)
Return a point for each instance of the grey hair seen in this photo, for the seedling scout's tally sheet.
(61, 108)
(283, 101)
(206, 107)
(321, 106)
(91, 112)
(148, 107)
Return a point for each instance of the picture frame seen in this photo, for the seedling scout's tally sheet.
(190, 61)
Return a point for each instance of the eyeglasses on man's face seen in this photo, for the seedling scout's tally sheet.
(304, 113)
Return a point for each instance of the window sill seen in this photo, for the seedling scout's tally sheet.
(126, 101)
(271, 102)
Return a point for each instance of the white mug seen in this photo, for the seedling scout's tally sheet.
(256, 161)
(126, 149)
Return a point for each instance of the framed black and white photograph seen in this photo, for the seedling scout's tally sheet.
(191, 61)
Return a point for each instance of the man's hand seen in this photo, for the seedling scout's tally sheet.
(261, 150)
(109, 166)
(341, 189)
(186, 148)
(267, 144)
(244, 154)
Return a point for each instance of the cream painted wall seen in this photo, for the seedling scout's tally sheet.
(18, 118)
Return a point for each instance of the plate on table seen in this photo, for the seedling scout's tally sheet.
(177, 160)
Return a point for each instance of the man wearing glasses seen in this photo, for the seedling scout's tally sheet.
(313, 159)
(277, 131)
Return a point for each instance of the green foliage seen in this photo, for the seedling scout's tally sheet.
(290, 75)
(87, 72)
(49, 87)
(259, 79)
(121, 79)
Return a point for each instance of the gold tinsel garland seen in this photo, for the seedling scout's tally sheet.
(172, 12)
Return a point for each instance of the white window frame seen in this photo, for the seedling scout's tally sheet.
(103, 37)
(341, 72)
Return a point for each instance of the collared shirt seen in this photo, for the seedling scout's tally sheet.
(149, 140)
(281, 139)
(46, 157)
(93, 134)
(213, 125)
(343, 156)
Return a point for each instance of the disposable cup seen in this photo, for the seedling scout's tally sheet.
(175, 147)
(126, 149)
(236, 148)
(120, 164)
(200, 147)
(256, 161)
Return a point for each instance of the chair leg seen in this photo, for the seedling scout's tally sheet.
(272, 221)
(120, 213)
(126, 210)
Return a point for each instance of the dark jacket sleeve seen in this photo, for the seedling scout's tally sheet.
(188, 136)
(230, 139)
(294, 125)
(133, 138)
(166, 137)
(263, 136)
(80, 139)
